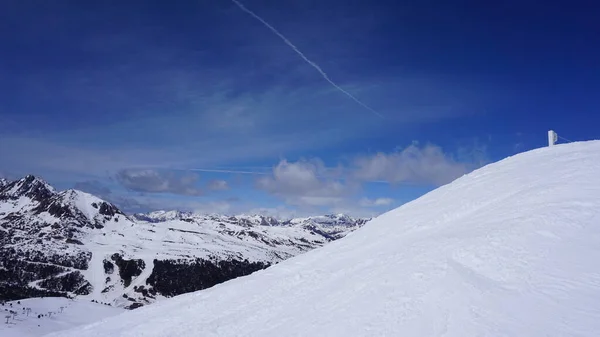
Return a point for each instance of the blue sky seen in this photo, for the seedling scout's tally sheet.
(198, 105)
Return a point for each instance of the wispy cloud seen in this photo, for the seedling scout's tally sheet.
(366, 202)
(93, 187)
(149, 113)
(220, 207)
(311, 63)
(218, 185)
(129, 204)
(153, 181)
(30, 154)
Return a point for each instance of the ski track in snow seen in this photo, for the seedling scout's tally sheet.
(511, 249)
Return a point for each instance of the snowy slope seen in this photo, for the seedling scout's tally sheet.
(73, 243)
(58, 314)
(511, 249)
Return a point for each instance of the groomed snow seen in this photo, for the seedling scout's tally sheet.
(512, 249)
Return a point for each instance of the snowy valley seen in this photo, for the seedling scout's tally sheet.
(71, 243)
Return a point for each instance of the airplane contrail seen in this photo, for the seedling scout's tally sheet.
(228, 171)
(311, 63)
(271, 172)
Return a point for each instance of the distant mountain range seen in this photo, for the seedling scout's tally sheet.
(71, 243)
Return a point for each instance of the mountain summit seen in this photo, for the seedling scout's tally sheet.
(511, 249)
(30, 186)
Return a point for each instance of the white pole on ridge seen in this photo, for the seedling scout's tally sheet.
(552, 138)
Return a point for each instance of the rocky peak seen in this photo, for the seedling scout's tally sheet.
(108, 209)
(269, 221)
(29, 186)
(161, 216)
(47, 207)
(88, 208)
(335, 219)
(262, 220)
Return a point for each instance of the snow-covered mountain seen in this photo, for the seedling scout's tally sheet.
(511, 249)
(330, 226)
(73, 243)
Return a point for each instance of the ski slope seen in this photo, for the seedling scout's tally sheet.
(511, 249)
(59, 313)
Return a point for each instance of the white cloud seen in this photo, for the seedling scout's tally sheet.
(414, 164)
(305, 183)
(310, 185)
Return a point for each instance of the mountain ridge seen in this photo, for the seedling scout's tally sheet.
(72, 243)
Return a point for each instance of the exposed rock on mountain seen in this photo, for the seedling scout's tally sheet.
(72, 243)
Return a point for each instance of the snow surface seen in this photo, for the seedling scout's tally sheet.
(511, 249)
(73, 313)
